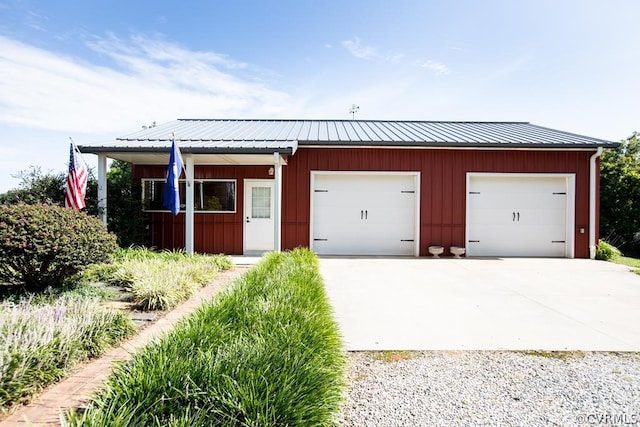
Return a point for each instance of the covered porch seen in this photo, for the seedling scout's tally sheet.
(249, 171)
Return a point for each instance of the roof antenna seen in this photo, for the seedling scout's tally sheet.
(353, 110)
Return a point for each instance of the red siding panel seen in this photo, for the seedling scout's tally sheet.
(443, 185)
(442, 198)
(213, 232)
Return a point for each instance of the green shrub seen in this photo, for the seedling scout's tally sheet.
(41, 338)
(265, 352)
(605, 251)
(42, 245)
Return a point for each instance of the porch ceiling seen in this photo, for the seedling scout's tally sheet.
(198, 159)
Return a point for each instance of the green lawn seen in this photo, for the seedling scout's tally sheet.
(628, 261)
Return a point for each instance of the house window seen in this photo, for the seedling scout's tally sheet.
(210, 195)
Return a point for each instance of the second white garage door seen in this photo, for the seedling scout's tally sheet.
(520, 215)
(364, 213)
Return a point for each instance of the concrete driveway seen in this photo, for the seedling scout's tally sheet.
(484, 304)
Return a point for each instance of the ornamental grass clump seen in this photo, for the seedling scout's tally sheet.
(42, 338)
(43, 245)
(137, 253)
(160, 280)
(606, 251)
(265, 352)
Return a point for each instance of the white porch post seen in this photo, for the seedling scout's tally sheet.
(102, 188)
(188, 227)
(277, 203)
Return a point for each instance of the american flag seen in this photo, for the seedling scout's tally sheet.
(76, 180)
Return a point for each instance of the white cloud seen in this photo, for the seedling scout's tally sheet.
(356, 48)
(396, 57)
(152, 80)
(360, 51)
(438, 68)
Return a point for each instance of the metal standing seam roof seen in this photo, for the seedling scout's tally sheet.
(284, 136)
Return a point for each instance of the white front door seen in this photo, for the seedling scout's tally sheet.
(258, 215)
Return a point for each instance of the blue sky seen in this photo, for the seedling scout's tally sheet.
(97, 70)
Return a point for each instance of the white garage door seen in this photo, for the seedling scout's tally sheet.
(519, 215)
(364, 214)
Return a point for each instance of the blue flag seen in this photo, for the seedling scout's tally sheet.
(171, 196)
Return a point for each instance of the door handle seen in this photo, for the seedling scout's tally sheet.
(518, 216)
(514, 216)
(248, 220)
(366, 214)
(361, 214)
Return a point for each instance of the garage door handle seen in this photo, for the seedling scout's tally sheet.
(366, 214)
(518, 216)
(514, 216)
(361, 214)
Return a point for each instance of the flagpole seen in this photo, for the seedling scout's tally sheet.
(171, 196)
(190, 200)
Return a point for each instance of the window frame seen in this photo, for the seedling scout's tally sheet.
(146, 181)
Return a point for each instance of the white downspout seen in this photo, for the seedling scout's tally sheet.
(277, 202)
(592, 203)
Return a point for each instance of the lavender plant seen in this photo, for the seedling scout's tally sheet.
(40, 341)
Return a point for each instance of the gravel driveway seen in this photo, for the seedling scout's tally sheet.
(489, 388)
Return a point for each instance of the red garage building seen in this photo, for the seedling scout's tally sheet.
(358, 187)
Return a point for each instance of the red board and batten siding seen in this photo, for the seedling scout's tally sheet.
(442, 198)
(213, 232)
(443, 185)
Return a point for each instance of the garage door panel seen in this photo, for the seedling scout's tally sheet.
(364, 247)
(517, 216)
(542, 217)
(364, 214)
(540, 201)
(517, 184)
(498, 248)
(525, 200)
(538, 217)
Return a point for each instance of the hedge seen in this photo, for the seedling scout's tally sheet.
(265, 352)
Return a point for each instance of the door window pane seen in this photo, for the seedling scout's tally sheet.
(261, 202)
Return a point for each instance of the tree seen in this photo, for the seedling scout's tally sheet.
(620, 195)
(36, 187)
(124, 205)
